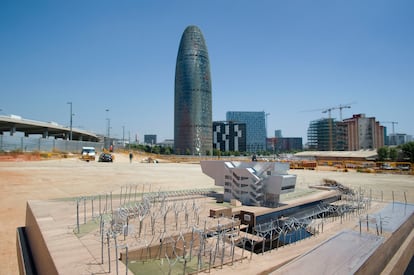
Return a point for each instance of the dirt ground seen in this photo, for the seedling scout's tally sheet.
(22, 180)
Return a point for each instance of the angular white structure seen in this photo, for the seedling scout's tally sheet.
(252, 183)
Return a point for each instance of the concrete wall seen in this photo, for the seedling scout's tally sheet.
(30, 144)
(377, 262)
(41, 256)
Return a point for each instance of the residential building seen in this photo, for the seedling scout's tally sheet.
(352, 134)
(363, 133)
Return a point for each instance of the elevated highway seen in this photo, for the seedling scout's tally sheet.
(13, 124)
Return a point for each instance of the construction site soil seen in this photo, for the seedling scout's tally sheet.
(28, 178)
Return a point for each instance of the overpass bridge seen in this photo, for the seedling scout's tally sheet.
(14, 124)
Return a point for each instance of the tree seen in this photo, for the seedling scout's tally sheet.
(167, 151)
(382, 153)
(393, 154)
(408, 150)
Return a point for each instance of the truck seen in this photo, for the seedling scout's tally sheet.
(88, 153)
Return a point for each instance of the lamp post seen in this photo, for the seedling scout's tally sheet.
(108, 126)
(266, 115)
(123, 136)
(70, 120)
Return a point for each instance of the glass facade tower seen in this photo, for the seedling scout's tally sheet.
(192, 103)
(255, 129)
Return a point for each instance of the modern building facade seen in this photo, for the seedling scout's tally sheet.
(399, 139)
(284, 144)
(255, 128)
(252, 183)
(150, 139)
(278, 133)
(352, 134)
(322, 134)
(193, 99)
(363, 133)
(229, 136)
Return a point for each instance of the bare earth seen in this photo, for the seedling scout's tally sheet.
(40, 180)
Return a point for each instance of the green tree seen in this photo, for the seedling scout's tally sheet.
(155, 149)
(382, 153)
(408, 150)
(393, 153)
(167, 151)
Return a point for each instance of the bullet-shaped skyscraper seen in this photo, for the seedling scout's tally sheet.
(192, 104)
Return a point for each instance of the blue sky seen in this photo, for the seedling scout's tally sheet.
(291, 59)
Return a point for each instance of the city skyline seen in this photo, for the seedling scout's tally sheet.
(292, 60)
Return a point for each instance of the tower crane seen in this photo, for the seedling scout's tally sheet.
(393, 123)
(340, 107)
(329, 110)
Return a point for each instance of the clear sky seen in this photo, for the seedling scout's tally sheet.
(291, 59)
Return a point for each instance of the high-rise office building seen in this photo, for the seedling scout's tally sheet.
(255, 128)
(150, 139)
(278, 133)
(229, 136)
(192, 103)
(322, 134)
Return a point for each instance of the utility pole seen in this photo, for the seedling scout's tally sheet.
(70, 123)
(108, 126)
(123, 136)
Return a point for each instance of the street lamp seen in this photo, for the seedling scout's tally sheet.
(108, 123)
(123, 136)
(267, 114)
(71, 115)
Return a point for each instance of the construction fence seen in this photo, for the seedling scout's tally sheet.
(32, 144)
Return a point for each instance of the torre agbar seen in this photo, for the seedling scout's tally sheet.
(192, 106)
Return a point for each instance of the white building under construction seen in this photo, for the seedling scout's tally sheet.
(252, 183)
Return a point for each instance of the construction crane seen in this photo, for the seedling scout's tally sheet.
(393, 123)
(329, 110)
(340, 107)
